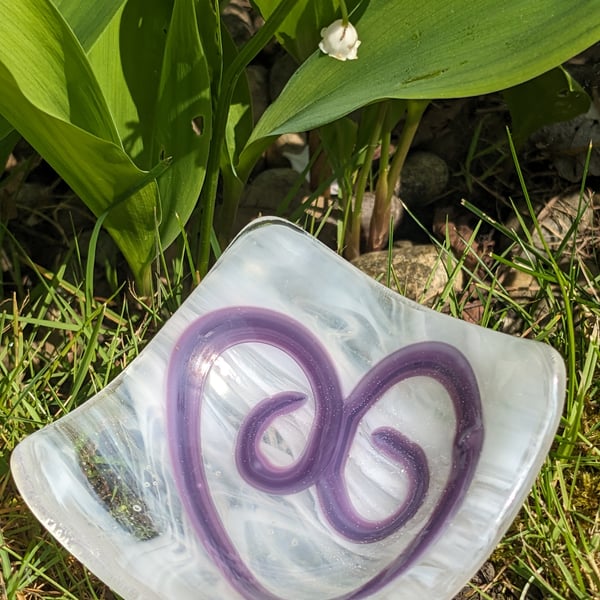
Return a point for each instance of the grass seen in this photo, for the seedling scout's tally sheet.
(61, 341)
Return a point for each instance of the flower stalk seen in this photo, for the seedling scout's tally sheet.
(344, 11)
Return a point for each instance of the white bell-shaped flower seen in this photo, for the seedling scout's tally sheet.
(340, 41)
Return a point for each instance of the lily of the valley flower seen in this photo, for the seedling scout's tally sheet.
(340, 41)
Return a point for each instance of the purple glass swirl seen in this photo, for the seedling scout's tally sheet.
(322, 462)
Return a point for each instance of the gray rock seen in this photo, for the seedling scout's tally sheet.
(368, 204)
(568, 141)
(238, 20)
(273, 192)
(284, 148)
(420, 272)
(424, 178)
(557, 217)
(561, 216)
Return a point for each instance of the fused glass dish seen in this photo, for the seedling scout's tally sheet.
(298, 431)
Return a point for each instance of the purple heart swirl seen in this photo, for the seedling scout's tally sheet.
(324, 457)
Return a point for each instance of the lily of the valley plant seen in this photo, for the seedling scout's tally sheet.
(143, 108)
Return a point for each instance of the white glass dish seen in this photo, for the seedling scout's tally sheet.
(298, 431)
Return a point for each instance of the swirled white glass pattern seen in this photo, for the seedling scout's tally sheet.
(298, 431)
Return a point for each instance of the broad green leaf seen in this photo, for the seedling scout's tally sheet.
(151, 66)
(49, 94)
(552, 97)
(5, 128)
(88, 19)
(339, 143)
(127, 61)
(239, 121)
(237, 132)
(300, 33)
(434, 49)
(49, 66)
(211, 33)
(105, 60)
(183, 120)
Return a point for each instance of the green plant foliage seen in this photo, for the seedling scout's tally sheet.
(109, 94)
(339, 142)
(107, 121)
(240, 120)
(152, 69)
(552, 97)
(88, 24)
(183, 123)
(50, 95)
(237, 132)
(5, 128)
(434, 49)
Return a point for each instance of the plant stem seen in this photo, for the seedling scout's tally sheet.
(352, 249)
(344, 10)
(414, 112)
(385, 189)
(381, 206)
(232, 188)
(208, 195)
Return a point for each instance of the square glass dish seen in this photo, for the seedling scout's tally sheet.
(298, 431)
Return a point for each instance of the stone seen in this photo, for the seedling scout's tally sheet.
(424, 178)
(567, 142)
(285, 148)
(267, 193)
(420, 271)
(368, 204)
(557, 217)
(562, 216)
(237, 18)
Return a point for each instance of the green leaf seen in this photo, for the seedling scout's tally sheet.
(434, 49)
(151, 65)
(127, 61)
(183, 127)
(48, 66)
(86, 24)
(5, 128)
(50, 95)
(239, 120)
(88, 20)
(339, 142)
(213, 36)
(552, 97)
